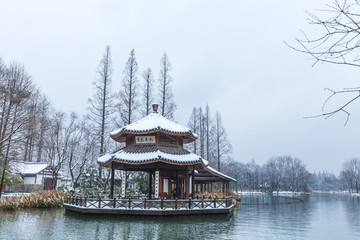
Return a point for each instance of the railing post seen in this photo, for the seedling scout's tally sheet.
(189, 203)
(215, 202)
(144, 203)
(129, 203)
(202, 202)
(114, 202)
(77, 201)
(99, 202)
(162, 203)
(175, 203)
(85, 202)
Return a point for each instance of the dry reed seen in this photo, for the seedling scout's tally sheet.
(42, 199)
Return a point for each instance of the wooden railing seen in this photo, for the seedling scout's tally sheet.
(162, 204)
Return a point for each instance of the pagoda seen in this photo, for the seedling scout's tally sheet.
(154, 145)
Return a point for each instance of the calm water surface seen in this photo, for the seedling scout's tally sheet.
(320, 216)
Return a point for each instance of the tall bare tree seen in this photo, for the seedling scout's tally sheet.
(80, 148)
(167, 103)
(36, 127)
(223, 146)
(193, 124)
(350, 174)
(147, 92)
(337, 42)
(15, 90)
(57, 143)
(101, 107)
(128, 95)
(207, 130)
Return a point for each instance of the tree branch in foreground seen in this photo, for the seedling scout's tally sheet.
(342, 108)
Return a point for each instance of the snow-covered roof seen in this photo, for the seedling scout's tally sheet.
(25, 168)
(138, 154)
(216, 172)
(153, 122)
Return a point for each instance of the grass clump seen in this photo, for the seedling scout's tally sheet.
(42, 199)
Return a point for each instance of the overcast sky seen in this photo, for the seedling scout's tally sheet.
(228, 54)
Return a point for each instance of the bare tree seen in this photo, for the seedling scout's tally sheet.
(15, 90)
(338, 43)
(193, 124)
(351, 174)
(201, 132)
(223, 146)
(147, 92)
(128, 95)
(57, 143)
(36, 127)
(81, 145)
(101, 107)
(207, 130)
(167, 104)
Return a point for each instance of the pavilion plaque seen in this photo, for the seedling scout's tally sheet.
(144, 139)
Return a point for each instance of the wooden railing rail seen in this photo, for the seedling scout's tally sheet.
(163, 204)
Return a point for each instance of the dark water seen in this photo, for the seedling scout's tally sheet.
(318, 217)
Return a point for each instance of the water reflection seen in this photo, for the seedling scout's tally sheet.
(136, 227)
(353, 214)
(317, 217)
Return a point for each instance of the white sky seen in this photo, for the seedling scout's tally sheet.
(229, 54)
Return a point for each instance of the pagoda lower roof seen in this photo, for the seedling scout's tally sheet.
(144, 154)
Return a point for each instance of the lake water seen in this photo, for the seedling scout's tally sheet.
(321, 216)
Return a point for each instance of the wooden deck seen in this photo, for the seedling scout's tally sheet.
(149, 207)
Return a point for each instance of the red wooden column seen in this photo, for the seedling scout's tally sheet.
(177, 184)
(112, 182)
(192, 184)
(186, 182)
(150, 185)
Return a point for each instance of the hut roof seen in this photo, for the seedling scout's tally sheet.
(219, 174)
(29, 168)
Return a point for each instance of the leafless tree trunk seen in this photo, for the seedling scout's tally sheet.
(80, 144)
(167, 104)
(351, 174)
(193, 124)
(15, 90)
(202, 133)
(223, 146)
(147, 92)
(128, 94)
(101, 107)
(207, 120)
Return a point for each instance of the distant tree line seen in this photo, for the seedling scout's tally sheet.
(280, 173)
(286, 173)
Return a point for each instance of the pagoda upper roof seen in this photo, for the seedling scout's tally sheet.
(144, 154)
(154, 122)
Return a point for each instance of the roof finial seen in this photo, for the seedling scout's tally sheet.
(155, 107)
